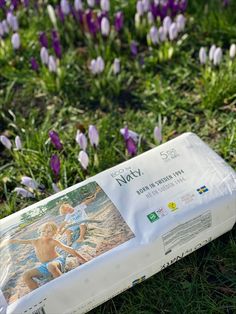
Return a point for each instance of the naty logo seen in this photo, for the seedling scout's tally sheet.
(125, 175)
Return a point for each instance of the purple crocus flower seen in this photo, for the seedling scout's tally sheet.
(78, 5)
(153, 33)
(183, 5)
(154, 10)
(105, 26)
(52, 64)
(93, 135)
(5, 142)
(105, 5)
(203, 55)
(26, 3)
(44, 55)
(43, 40)
(57, 48)
(60, 14)
(119, 21)
(56, 44)
(34, 64)
(5, 27)
(81, 140)
(55, 139)
(92, 25)
(15, 40)
(14, 4)
(76, 14)
(23, 192)
(131, 139)
(2, 4)
(55, 165)
(173, 31)
(29, 182)
(116, 66)
(157, 134)
(65, 7)
(134, 48)
(131, 146)
(83, 159)
(1, 30)
(18, 143)
(129, 133)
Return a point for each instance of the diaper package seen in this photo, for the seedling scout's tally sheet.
(82, 246)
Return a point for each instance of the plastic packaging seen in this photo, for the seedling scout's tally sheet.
(88, 243)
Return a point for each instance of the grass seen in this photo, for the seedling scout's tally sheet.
(189, 97)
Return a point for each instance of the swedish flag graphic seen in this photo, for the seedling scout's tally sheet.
(202, 189)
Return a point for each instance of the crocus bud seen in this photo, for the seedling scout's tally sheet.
(100, 65)
(93, 66)
(29, 182)
(116, 66)
(1, 30)
(232, 51)
(81, 140)
(83, 159)
(15, 40)
(5, 141)
(15, 25)
(173, 31)
(105, 26)
(137, 20)
(23, 193)
(52, 65)
(91, 3)
(5, 27)
(10, 19)
(150, 18)
(211, 52)
(202, 55)
(134, 48)
(52, 15)
(78, 5)
(105, 5)
(154, 35)
(162, 34)
(166, 24)
(2, 4)
(180, 22)
(131, 146)
(34, 64)
(44, 55)
(217, 56)
(93, 135)
(18, 143)
(119, 21)
(43, 40)
(65, 7)
(55, 139)
(146, 5)
(55, 165)
(157, 134)
(129, 133)
(57, 48)
(131, 140)
(139, 8)
(55, 188)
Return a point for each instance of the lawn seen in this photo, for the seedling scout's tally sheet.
(116, 75)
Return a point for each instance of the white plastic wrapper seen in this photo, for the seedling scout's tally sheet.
(88, 243)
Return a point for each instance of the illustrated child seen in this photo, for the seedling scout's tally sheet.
(71, 224)
(74, 217)
(45, 249)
